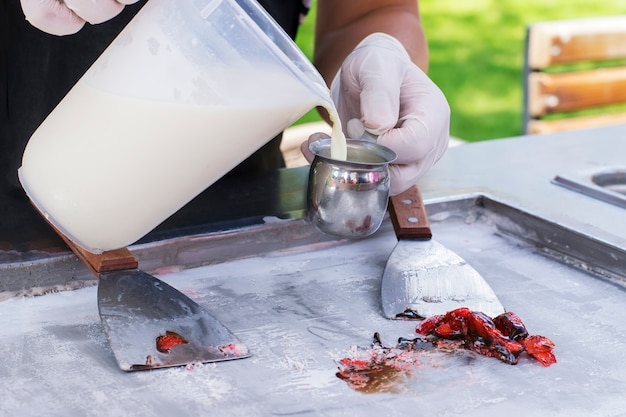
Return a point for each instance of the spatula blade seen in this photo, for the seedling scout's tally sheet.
(150, 324)
(423, 278)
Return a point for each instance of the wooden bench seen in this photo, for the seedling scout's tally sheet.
(571, 66)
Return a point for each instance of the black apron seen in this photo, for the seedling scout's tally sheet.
(37, 70)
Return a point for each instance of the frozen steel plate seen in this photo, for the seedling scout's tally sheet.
(301, 303)
(301, 311)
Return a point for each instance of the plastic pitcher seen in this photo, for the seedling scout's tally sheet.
(187, 91)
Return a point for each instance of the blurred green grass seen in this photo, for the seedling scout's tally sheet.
(476, 56)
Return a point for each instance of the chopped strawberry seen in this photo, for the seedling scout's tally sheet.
(511, 326)
(164, 343)
(540, 348)
(504, 337)
(428, 325)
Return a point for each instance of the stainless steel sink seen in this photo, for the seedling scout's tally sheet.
(613, 181)
(607, 184)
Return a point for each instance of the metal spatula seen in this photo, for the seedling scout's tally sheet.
(150, 324)
(422, 278)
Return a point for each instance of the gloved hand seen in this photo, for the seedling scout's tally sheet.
(65, 17)
(379, 90)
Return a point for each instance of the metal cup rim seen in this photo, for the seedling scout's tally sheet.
(321, 149)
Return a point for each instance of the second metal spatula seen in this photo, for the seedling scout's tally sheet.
(150, 324)
(422, 278)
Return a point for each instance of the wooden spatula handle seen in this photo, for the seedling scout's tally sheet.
(107, 261)
(113, 260)
(408, 215)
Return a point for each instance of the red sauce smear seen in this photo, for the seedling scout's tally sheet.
(165, 343)
(380, 369)
(233, 349)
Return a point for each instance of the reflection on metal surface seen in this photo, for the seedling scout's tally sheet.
(607, 184)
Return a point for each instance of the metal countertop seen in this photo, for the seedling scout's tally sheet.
(519, 172)
(303, 301)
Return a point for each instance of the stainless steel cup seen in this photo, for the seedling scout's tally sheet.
(349, 198)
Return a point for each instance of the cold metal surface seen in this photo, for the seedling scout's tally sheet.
(301, 311)
(137, 308)
(602, 258)
(426, 278)
(301, 303)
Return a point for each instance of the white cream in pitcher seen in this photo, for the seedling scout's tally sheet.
(169, 108)
(106, 184)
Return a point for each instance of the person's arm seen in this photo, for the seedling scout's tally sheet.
(373, 55)
(341, 25)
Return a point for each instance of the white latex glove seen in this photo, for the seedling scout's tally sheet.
(65, 17)
(379, 90)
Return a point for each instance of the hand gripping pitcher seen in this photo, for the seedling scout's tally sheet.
(187, 91)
